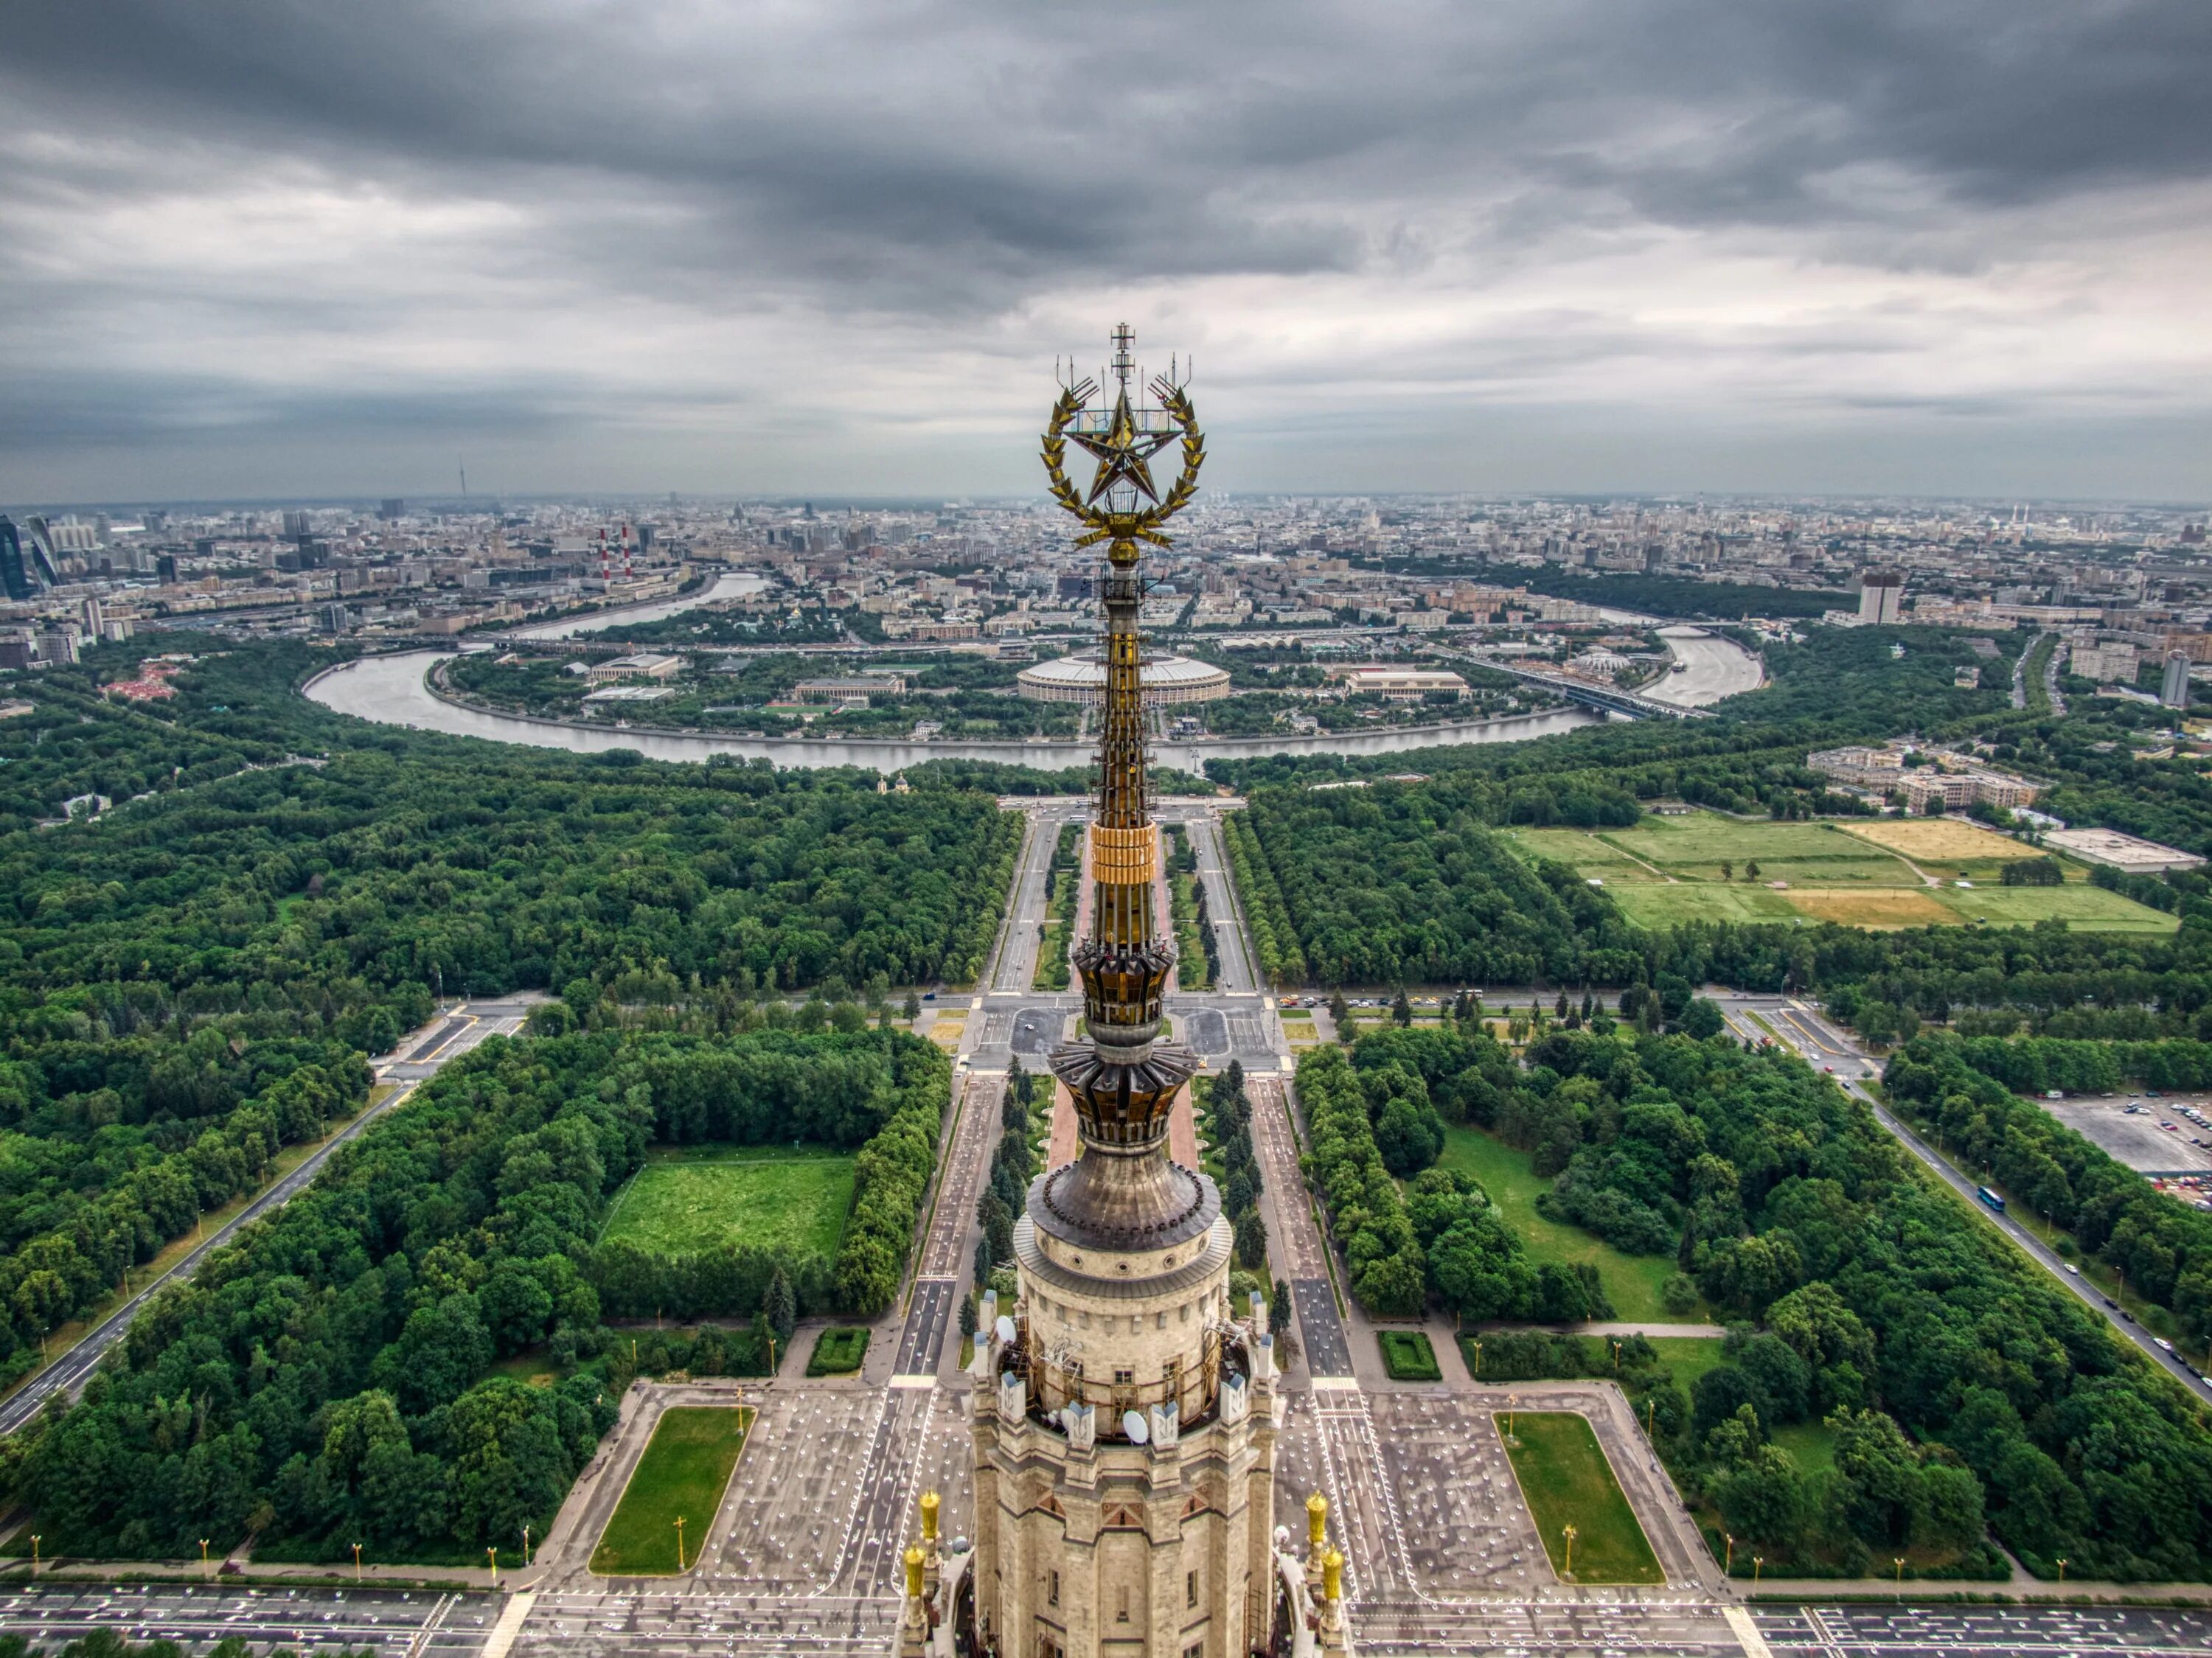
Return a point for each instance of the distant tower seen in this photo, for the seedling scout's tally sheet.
(1881, 594)
(18, 577)
(1124, 1425)
(2174, 689)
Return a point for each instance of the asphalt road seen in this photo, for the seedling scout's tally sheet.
(452, 1034)
(1831, 1049)
(392, 1623)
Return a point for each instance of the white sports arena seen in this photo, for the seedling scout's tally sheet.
(1082, 678)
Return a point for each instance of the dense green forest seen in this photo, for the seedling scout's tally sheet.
(329, 1379)
(188, 984)
(1957, 1380)
(1963, 1094)
(1407, 884)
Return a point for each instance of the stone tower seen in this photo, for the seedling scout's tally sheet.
(1124, 1410)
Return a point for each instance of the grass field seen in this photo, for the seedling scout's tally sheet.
(1567, 1482)
(1895, 907)
(1940, 839)
(683, 1473)
(1653, 905)
(692, 1197)
(1853, 871)
(2092, 909)
(1631, 1282)
(1688, 1357)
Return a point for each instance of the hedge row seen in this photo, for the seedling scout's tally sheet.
(1366, 1211)
(1274, 935)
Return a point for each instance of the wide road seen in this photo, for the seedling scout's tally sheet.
(418, 1055)
(1830, 1048)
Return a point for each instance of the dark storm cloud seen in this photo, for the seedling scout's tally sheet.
(1023, 140)
(948, 166)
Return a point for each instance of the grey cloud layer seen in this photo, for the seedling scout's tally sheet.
(962, 170)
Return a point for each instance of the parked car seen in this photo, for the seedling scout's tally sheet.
(2164, 1345)
(2073, 1269)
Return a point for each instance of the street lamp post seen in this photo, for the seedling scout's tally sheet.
(1758, 1565)
(1728, 1567)
(526, 1548)
(2062, 1567)
(1478, 1358)
(492, 1555)
(1568, 1534)
(679, 1542)
(203, 1557)
(356, 1563)
(35, 1553)
(1898, 1560)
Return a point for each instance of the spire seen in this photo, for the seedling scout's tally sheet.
(1123, 1189)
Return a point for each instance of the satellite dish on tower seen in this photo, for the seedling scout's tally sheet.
(1004, 1328)
(1132, 1424)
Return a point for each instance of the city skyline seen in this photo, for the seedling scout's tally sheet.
(254, 253)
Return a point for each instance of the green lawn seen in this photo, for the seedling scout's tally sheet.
(1632, 1282)
(1654, 904)
(1567, 1481)
(2092, 910)
(683, 1474)
(1688, 1357)
(1585, 851)
(1811, 1445)
(694, 1198)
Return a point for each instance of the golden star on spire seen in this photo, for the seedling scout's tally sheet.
(1123, 452)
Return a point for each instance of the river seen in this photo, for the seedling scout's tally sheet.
(730, 584)
(390, 689)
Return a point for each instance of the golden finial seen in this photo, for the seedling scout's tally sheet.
(929, 1503)
(1332, 1576)
(913, 1574)
(1316, 1519)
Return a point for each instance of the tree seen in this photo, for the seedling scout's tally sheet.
(1338, 1009)
(967, 1317)
(1727, 871)
(1279, 1308)
(780, 1305)
(1703, 1018)
(913, 1008)
(1401, 1011)
(1763, 1501)
(1251, 1242)
(1751, 870)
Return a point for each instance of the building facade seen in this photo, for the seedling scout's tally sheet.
(1881, 598)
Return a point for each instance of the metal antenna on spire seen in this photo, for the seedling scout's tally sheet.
(1123, 362)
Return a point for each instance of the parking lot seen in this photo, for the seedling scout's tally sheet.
(2138, 1138)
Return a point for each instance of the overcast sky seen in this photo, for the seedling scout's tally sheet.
(1931, 246)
